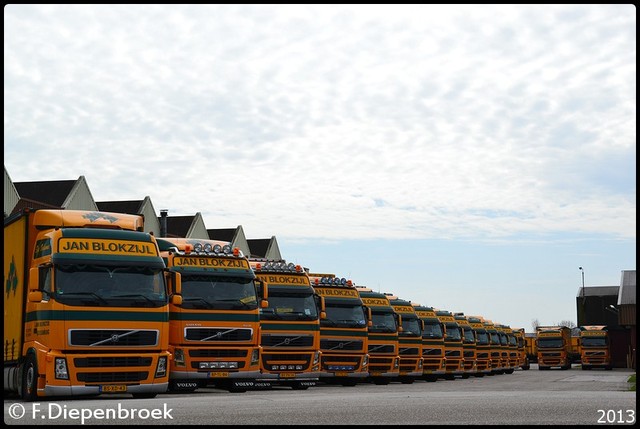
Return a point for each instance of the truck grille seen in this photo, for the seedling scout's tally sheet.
(432, 352)
(409, 351)
(113, 337)
(268, 340)
(112, 377)
(380, 349)
(337, 345)
(218, 334)
(106, 361)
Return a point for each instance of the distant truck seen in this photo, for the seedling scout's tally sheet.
(289, 324)
(432, 343)
(483, 346)
(453, 347)
(409, 340)
(595, 347)
(384, 361)
(469, 346)
(86, 305)
(523, 358)
(343, 333)
(215, 331)
(554, 347)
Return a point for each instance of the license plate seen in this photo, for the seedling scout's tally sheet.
(375, 374)
(218, 374)
(116, 388)
(342, 374)
(287, 375)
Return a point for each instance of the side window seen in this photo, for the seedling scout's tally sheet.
(45, 281)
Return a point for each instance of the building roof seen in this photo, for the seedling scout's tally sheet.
(598, 291)
(259, 246)
(225, 234)
(178, 226)
(51, 192)
(128, 207)
(627, 295)
(24, 203)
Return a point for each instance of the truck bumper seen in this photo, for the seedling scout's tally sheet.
(95, 390)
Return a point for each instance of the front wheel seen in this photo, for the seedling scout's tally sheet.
(30, 379)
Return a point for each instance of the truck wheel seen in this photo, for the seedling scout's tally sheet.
(30, 379)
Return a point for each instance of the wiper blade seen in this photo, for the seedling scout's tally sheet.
(95, 295)
(136, 295)
(202, 300)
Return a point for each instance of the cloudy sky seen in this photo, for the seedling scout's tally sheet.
(465, 157)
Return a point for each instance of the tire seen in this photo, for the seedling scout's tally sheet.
(381, 381)
(30, 379)
(543, 368)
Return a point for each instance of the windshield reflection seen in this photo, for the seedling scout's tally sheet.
(110, 286)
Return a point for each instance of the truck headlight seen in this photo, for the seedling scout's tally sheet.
(179, 357)
(61, 369)
(255, 357)
(161, 369)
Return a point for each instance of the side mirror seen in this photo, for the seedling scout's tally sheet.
(323, 315)
(176, 300)
(264, 304)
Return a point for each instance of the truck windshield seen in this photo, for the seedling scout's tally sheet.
(469, 338)
(110, 286)
(290, 306)
(410, 327)
(512, 341)
(383, 322)
(432, 330)
(346, 316)
(217, 292)
(453, 333)
(594, 342)
(494, 339)
(545, 343)
(482, 338)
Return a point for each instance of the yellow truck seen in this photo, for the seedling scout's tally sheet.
(289, 324)
(343, 333)
(215, 332)
(409, 340)
(554, 347)
(86, 307)
(483, 346)
(432, 343)
(384, 361)
(469, 347)
(509, 348)
(497, 363)
(530, 347)
(595, 347)
(523, 358)
(453, 346)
